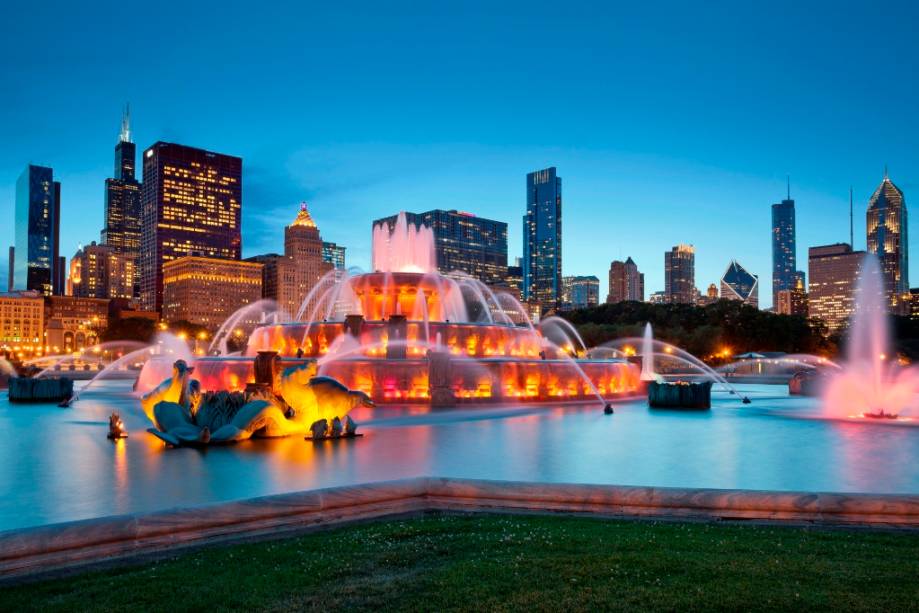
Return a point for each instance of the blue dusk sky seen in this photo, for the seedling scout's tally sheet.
(669, 122)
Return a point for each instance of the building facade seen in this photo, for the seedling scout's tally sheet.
(206, 291)
(792, 301)
(832, 272)
(122, 230)
(334, 255)
(542, 239)
(38, 210)
(737, 283)
(580, 292)
(22, 325)
(101, 271)
(680, 275)
(463, 242)
(784, 247)
(888, 240)
(73, 323)
(191, 203)
(514, 279)
(625, 282)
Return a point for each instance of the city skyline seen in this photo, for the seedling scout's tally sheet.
(359, 162)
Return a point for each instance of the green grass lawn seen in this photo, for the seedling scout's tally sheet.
(506, 562)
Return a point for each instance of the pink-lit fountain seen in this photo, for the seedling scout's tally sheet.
(406, 333)
(871, 384)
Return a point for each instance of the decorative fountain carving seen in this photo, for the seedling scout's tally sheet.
(299, 403)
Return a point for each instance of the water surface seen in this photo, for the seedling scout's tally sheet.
(56, 464)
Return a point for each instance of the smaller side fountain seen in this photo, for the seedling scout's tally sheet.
(680, 395)
(871, 384)
(31, 389)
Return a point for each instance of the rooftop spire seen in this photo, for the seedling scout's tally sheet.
(125, 136)
(788, 185)
(303, 217)
(885, 172)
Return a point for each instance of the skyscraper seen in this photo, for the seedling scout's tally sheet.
(464, 242)
(784, 262)
(121, 230)
(288, 279)
(738, 284)
(542, 239)
(625, 282)
(191, 203)
(887, 239)
(38, 210)
(680, 274)
(833, 271)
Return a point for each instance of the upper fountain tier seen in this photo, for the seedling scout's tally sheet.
(403, 247)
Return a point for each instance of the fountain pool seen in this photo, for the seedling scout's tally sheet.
(56, 464)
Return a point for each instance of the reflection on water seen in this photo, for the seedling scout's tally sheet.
(56, 464)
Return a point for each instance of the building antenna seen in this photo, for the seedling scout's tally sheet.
(851, 223)
(126, 124)
(788, 181)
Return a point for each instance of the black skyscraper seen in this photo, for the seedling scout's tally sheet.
(122, 198)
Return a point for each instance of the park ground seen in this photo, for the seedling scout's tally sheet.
(510, 562)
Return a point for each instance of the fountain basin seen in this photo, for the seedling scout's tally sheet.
(680, 395)
(50, 389)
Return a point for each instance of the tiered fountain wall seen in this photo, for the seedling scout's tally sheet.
(409, 334)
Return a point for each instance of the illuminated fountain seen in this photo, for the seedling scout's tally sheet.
(406, 333)
(871, 384)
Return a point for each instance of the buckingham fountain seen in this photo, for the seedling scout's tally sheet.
(406, 333)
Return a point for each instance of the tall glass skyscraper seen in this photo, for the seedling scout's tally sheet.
(191, 204)
(38, 210)
(887, 239)
(542, 239)
(784, 263)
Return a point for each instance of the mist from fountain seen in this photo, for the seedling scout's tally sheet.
(166, 348)
(563, 334)
(870, 382)
(96, 355)
(6, 368)
(245, 319)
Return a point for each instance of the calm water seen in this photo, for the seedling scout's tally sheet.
(56, 464)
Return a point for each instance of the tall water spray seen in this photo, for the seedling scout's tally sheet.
(407, 248)
(871, 383)
(647, 355)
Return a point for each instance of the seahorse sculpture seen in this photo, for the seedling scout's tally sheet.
(224, 417)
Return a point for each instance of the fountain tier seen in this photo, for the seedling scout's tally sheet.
(394, 337)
